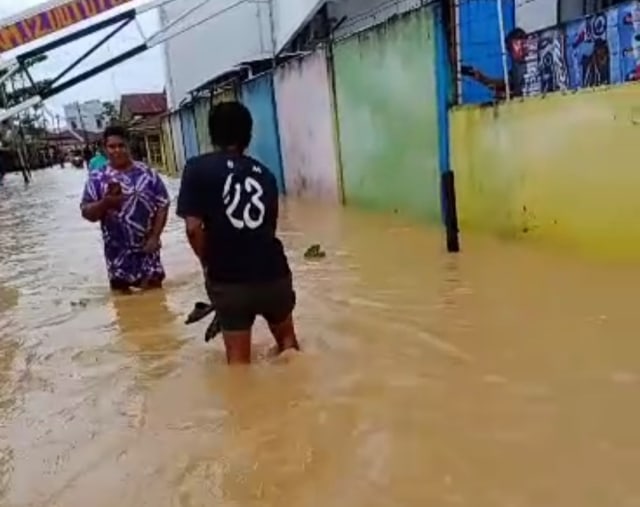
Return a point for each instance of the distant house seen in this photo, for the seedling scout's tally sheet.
(68, 139)
(142, 114)
(88, 116)
(139, 106)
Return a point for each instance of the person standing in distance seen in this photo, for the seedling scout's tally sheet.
(99, 161)
(229, 202)
(131, 203)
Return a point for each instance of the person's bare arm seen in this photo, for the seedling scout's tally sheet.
(496, 84)
(159, 222)
(191, 208)
(490, 82)
(196, 236)
(95, 211)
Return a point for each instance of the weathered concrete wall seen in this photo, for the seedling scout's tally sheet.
(307, 137)
(257, 95)
(237, 33)
(387, 115)
(178, 145)
(201, 113)
(559, 169)
(363, 14)
(189, 133)
(289, 16)
(170, 166)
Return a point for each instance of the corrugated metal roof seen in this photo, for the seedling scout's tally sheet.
(144, 103)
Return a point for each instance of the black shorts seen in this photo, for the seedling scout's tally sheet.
(238, 305)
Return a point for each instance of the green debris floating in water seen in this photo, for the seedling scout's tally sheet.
(315, 252)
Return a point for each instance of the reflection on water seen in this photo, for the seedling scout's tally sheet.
(503, 377)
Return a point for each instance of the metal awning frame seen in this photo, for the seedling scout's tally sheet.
(124, 18)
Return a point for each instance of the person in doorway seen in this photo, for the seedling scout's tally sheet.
(131, 203)
(98, 162)
(229, 202)
(515, 43)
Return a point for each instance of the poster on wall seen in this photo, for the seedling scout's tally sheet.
(531, 74)
(545, 63)
(588, 50)
(628, 21)
(552, 65)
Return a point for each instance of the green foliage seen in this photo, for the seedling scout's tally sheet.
(110, 114)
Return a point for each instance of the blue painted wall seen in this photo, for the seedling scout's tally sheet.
(480, 44)
(257, 95)
(189, 133)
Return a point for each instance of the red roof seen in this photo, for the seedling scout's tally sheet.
(144, 103)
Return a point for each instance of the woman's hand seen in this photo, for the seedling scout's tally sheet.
(112, 201)
(153, 244)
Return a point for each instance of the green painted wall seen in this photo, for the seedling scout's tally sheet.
(387, 116)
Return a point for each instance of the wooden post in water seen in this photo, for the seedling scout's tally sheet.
(448, 190)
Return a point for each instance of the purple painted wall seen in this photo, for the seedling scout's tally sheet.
(307, 128)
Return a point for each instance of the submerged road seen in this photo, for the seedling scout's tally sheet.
(504, 377)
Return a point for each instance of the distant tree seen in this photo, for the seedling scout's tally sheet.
(110, 114)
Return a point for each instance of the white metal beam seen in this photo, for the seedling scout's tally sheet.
(24, 106)
(159, 37)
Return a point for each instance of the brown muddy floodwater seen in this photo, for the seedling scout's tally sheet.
(506, 377)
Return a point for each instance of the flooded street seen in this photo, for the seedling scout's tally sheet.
(505, 377)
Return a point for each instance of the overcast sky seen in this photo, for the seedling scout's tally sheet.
(140, 74)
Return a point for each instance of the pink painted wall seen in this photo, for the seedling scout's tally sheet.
(307, 128)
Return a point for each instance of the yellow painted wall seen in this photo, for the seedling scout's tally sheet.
(167, 148)
(563, 169)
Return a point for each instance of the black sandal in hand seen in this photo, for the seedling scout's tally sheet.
(199, 312)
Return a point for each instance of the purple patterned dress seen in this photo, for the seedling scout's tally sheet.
(125, 231)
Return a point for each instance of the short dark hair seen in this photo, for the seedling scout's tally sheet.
(515, 34)
(115, 130)
(230, 124)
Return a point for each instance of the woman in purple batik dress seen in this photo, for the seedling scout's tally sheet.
(131, 203)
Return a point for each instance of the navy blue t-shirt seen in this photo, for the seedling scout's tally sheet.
(237, 199)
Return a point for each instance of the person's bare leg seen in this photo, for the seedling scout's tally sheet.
(151, 284)
(238, 346)
(285, 335)
(120, 287)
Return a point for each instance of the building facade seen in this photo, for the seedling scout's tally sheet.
(87, 116)
(382, 106)
(143, 114)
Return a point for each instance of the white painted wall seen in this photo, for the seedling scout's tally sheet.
(86, 115)
(533, 15)
(214, 46)
(290, 16)
(243, 33)
(307, 134)
(178, 145)
(363, 14)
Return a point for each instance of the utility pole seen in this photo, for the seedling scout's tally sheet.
(84, 130)
(17, 137)
(272, 29)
